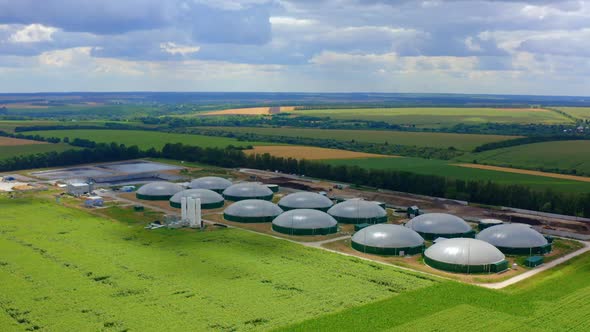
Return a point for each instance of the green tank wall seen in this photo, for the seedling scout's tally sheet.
(434, 236)
(344, 220)
(296, 231)
(153, 198)
(408, 251)
(239, 198)
(286, 208)
(490, 268)
(203, 206)
(527, 251)
(248, 219)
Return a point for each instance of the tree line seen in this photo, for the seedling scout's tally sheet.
(484, 192)
(526, 140)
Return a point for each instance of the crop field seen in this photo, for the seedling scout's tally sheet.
(465, 142)
(525, 171)
(9, 141)
(555, 300)
(249, 111)
(144, 139)
(69, 270)
(447, 169)
(23, 150)
(564, 155)
(437, 117)
(310, 152)
(577, 112)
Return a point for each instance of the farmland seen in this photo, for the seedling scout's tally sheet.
(577, 112)
(438, 140)
(447, 169)
(9, 141)
(70, 270)
(144, 139)
(437, 117)
(558, 155)
(249, 111)
(310, 152)
(23, 150)
(555, 300)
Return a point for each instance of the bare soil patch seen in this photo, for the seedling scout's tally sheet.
(311, 153)
(9, 141)
(528, 172)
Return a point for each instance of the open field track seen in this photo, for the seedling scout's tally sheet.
(9, 141)
(423, 139)
(524, 171)
(311, 153)
(249, 111)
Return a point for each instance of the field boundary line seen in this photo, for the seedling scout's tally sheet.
(526, 172)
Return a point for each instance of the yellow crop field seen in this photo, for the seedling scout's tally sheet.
(311, 153)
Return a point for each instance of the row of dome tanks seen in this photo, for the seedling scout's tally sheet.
(456, 248)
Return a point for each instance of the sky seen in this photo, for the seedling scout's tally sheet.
(436, 46)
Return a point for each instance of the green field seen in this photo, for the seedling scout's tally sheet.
(437, 117)
(577, 112)
(563, 155)
(23, 150)
(446, 169)
(556, 300)
(144, 139)
(63, 269)
(437, 140)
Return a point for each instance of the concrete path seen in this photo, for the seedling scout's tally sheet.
(544, 267)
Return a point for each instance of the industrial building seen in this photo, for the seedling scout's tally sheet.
(158, 191)
(305, 200)
(209, 198)
(356, 211)
(252, 211)
(465, 255)
(516, 239)
(434, 225)
(247, 190)
(485, 223)
(305, 222)
(388, 239)
(214, 183)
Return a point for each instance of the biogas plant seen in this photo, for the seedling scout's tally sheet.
(431, 241)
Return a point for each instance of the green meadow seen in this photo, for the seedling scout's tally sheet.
(7, 152)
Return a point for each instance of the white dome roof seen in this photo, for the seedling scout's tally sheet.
(388, 236)
(253, 208)
(464, 251)
(438, 223)
(305, 219)
(207, 196)
(247, 189)
(512, 236)
(159, 188)
(210, 182)
(305, 200)
(356, 208)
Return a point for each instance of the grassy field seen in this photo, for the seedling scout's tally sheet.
(436, 117)
(437, 140)
(445, 168)
(577, 112)
(22, 150)
(69, 270)
(144, 139)
(565, 155)
(555, 300)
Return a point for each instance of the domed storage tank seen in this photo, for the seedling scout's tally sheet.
(356, 211)
(516, 239)
(387, 239)
(305, 222)
(209, 198)
(465, 255)
(247, 190)
(252, 211)
(305, 200)
(158, 191)
(485, 223)
(214, 183)
(433, 225)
